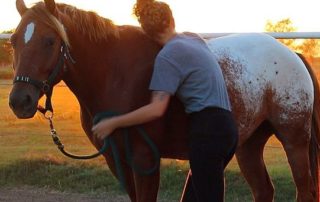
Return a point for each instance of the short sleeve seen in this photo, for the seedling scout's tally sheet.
(166, 76)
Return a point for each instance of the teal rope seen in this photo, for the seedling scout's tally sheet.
(115, 152)
(155, 152)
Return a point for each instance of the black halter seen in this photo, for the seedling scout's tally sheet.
(46, 86)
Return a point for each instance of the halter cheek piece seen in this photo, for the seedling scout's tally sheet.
(46, 86)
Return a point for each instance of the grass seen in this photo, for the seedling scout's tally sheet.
(28, 157)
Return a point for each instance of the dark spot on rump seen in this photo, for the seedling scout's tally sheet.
(277, 72)
(275, 63)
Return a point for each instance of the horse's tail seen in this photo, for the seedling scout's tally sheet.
(315, 131)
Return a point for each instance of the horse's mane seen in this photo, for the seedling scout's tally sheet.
(86, 22)
(95, 26)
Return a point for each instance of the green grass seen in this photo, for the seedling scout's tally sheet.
(28, 157)
(59, 176)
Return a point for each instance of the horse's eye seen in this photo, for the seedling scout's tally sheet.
(49, 41)
(13, 40)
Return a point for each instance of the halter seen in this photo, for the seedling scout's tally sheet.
(46, 86)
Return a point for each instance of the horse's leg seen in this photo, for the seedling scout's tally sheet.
(86, 125)
(251, 163)
(128, 175)
(147, 187)
(295, 141)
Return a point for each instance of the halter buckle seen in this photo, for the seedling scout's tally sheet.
(48, 114)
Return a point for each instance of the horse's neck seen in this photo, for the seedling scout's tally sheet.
(84, 77)
(100, 78)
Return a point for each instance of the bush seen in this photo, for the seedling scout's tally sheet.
(5, 52)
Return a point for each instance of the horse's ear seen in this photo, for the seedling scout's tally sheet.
(51, 6)
(21, 7)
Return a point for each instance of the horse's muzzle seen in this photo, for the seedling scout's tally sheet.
(23, 102)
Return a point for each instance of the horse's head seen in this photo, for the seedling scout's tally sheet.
(39, 44)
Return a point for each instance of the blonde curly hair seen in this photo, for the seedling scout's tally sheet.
(154, 16)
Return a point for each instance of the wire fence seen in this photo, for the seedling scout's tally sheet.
(277, 35)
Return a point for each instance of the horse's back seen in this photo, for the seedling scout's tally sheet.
(265, 79)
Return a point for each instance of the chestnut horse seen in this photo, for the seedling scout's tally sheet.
(272, 91)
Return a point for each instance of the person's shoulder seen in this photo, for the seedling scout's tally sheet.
(178, 42)
(191, 34)
(181, 45)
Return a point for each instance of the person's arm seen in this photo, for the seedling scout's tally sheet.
(155, 109)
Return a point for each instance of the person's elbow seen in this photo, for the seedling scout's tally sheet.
(159, 113)
(159, 110)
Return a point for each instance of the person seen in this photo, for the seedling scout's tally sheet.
(186, 68)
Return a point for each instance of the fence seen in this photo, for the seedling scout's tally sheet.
(5, 36)
(277, 35)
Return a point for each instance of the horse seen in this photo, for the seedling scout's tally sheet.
(271, 89)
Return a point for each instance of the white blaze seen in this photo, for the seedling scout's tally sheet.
(29, 32)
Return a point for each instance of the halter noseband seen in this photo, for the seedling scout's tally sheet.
(46, 86)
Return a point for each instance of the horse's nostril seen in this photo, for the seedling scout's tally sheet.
(22, 103)
(27, 100)
(11, 104)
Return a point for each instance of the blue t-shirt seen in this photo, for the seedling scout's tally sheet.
(187, 68)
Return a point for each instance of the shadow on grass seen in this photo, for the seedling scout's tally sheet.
(238, 189)
(59, 176)
(93, 179)
(82, 178)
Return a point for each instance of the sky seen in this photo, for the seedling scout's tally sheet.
(202, 16)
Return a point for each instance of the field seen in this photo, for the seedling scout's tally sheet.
(29, 158)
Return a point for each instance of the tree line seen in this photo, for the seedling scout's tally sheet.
(309, 47)
(5, 51)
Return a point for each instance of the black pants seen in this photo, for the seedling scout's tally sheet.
(213, 141)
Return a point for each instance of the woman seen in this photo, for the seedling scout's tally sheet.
(185, 67)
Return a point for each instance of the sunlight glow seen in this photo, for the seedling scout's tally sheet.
(197, 15)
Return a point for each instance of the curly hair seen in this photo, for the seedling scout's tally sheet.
(153, 16)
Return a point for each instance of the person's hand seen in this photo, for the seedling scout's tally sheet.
(104, 128)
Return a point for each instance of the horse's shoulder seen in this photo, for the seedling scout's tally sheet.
(130, 30)
(136, 35)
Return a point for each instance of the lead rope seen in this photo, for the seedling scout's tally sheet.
(110, 143)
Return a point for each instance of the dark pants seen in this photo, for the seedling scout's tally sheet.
(213, 141)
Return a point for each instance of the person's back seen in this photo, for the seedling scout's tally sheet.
(187, 59)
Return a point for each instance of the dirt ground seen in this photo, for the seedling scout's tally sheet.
(28, 194)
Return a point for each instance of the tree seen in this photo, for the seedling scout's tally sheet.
(5, 50)
(308, 47)
(8, 31)
(284, 25)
